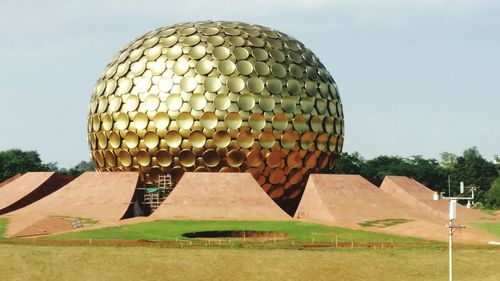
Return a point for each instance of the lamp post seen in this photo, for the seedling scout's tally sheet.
(453, 216)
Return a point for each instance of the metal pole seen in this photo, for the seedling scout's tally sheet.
(450, 247)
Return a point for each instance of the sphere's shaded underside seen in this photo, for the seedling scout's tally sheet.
(217, 96)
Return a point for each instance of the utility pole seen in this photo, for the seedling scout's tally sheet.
(453, 216)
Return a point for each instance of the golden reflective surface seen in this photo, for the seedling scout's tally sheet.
(218, 96)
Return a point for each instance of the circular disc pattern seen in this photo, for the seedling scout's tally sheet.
(218, 96)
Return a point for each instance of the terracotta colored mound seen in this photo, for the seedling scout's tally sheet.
(11, 179)
(347, 200)
(93, 195)
(416, 195)
(350, 201)
(219, 196)
(46, 225)
(29, 188)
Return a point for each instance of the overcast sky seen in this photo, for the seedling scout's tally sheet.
(415, 77)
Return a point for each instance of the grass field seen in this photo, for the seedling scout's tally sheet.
(26, 262)
(491, 228)
(489, 211)
(30, 261)
(168, 230)
(3, 226)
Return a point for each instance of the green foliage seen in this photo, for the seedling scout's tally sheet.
(15, 161)
(448, 160)
(426, 171)
(168, 230)
(491, 228)
(349, 163)
(78, 169)
(492, 197)
(473, 170)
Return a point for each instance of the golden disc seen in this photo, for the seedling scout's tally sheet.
(151, 139)
(131, 139)
(257, 121)
(235, 84)
(164, 158)
(197, 101)
(125, 158)
(235, 158)
(197, 138)
(245, 139)
(188, 84)
(184, 120)
(208, 120)
(187, 158)
(141, 121)
(280, 121)
(174, 102)
(233, 120)
(266, 139)
(267, 103)
(114, 139)
(246, 102)
(122, 121)
(255, 158)
(143, 158)
(212, 84)
(161, 120)
(110, 158)
(221, 139)
(255, 85)
(211, 158)
(222, 102)
(173, 138)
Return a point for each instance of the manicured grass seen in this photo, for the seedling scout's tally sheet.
(491, 228)
(489, 211)
(168, 230)
(383, 223)
(3, 227)
(28, 262)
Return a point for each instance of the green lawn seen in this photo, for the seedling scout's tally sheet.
(29, 262)
(491, 228)
(3, 227)
(489, 211)
(168, 230)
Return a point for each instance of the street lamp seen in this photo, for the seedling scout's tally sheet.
(453, 216)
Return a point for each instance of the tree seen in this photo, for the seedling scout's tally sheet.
(428, 172)
(448, 160)
(492, 197)
(497, 162)
(80, 168)
(377, 168)
(349, 163)
(15, 161)
(473, 169)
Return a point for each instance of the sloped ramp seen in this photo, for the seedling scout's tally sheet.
(94, 195)
(346, 200)
(416, 195)
(219, 196)
(25, 189)
(11, 179)
(351, 201)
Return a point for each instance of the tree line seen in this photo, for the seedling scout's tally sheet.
(470, 167)
(17, 161)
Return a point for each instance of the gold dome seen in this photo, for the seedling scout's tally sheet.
(221, 97)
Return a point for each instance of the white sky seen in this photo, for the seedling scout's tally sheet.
(415, 77)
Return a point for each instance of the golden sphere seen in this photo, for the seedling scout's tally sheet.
(221, 97)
